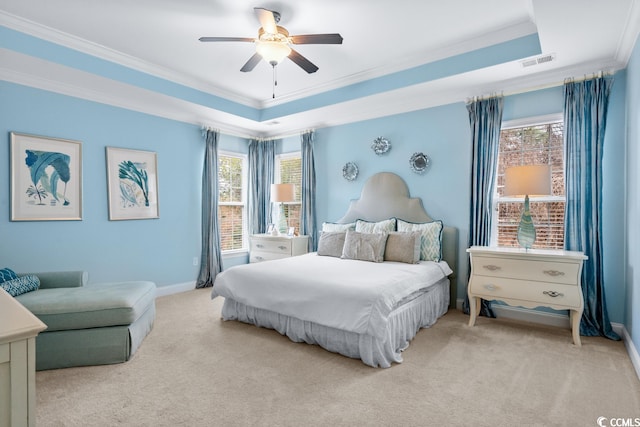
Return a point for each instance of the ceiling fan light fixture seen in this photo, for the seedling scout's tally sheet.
(272, 51)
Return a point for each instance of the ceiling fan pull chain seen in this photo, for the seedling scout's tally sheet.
(275, 81)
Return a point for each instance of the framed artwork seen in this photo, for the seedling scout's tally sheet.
(270, 228)
(46, 178)
(132, 181)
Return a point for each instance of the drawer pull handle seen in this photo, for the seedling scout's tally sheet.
(553, 294)
(282, 248)
(490, 287)
(553, 273)
(491, 267)
(259, 245)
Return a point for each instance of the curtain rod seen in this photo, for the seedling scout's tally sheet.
(543, 86)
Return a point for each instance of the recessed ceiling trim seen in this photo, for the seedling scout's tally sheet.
(76, 43)
(84, 46)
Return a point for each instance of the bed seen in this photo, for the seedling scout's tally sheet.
(354, 307)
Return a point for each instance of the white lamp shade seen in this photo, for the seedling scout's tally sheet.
(272, 51)
(528, 180)
(282, 193)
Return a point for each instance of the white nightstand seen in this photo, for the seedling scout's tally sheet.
(533, 278)
(264, 247)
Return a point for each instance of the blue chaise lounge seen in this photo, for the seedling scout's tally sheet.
(96, 324)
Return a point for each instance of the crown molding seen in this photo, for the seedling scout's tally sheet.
(630, 34)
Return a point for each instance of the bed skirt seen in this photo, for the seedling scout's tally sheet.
(404, 323)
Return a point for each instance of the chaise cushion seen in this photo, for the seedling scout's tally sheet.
(92, 306)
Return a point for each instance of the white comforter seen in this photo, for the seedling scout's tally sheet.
(351, 295)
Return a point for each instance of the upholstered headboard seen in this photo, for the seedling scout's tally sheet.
(386, 195)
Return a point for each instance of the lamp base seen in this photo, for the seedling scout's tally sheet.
(282, 221)
(526, 229)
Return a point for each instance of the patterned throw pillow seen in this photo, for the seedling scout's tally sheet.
(21, 285)
(431, 246)
(7, 274)
(384, 226)
(364, 246)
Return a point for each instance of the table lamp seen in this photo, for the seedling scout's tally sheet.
(527, 180)
(281, 193)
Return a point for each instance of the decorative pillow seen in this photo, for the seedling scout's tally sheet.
(431, 246)
(403, 247)
(21, 285)
(364, 246)
(384, 226)
(331, 243)
(7, 274)
(334, 226)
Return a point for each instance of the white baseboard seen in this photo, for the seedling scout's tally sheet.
(631, 349)
(162, 291)
(553, 319)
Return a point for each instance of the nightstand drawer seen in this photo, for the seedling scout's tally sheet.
(542, 271)
(259, 256)
(277, 246)
(530, 294)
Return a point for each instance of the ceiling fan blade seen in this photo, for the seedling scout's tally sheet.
(302, 62)
(317, 39)
(226, 39)
(251, 63)
(267, 20)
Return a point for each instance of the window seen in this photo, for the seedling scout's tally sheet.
(231, 201)
(289, 171)
(539, 143)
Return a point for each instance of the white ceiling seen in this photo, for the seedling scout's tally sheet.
(381, 37)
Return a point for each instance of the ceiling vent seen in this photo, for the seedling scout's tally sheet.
(538, 60)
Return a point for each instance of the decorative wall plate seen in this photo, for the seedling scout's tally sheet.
(419, 162)
(350, 171)
(380, 145)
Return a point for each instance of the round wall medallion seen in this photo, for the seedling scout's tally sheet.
(350, 171)
(419, 162)
(380, 145)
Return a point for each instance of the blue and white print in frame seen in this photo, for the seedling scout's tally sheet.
(46, 178)
(132, 178)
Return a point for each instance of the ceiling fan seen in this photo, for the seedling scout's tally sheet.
(273, 42)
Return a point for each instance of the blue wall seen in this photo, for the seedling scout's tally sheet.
(632, 268)
(161, 249)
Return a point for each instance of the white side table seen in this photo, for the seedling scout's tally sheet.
(532, 278)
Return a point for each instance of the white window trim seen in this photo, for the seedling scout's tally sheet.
(518, 123)
(532, 121)
(245, 182)
(286, 156)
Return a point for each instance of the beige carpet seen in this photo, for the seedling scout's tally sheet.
(195, 370)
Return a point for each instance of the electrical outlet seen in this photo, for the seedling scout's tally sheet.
(195, 260)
